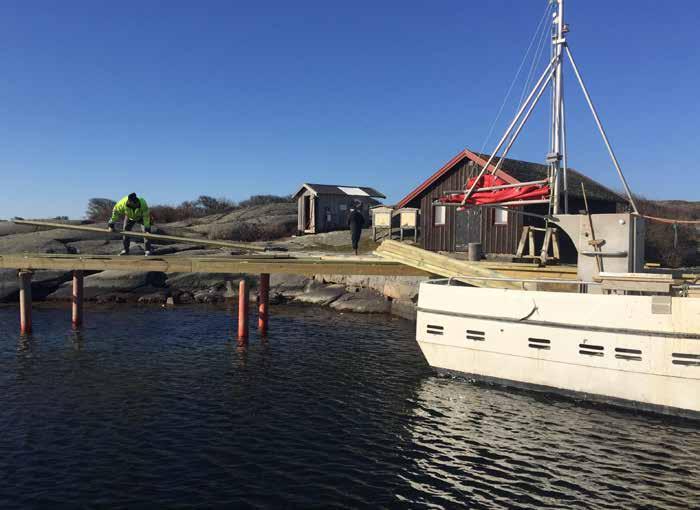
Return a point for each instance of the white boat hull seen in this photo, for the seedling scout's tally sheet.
(638, 351)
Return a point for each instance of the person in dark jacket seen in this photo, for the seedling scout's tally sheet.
(355, 221)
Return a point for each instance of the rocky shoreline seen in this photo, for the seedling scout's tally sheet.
(362, 294)
(359, 294)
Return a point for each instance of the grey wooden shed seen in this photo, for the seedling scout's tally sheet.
(325, 207)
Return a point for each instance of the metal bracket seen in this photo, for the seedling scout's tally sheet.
(604, 254)
(553, 157)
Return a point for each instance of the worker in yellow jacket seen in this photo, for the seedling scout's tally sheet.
(134, 209)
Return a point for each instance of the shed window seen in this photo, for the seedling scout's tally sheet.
(500, 217)
(440, 214)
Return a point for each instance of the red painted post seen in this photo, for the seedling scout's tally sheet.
(77, 298)
(264, 303)
(243, 299)
(25, 302)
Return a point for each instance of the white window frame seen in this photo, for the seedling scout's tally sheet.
(439, 215)
(500, 217)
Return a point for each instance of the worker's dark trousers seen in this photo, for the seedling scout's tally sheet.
(126, 240)
(356, 238)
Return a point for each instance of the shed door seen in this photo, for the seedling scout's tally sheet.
(312, 214)
(467, 228)
(306, 213)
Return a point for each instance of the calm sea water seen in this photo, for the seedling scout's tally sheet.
(155, 408)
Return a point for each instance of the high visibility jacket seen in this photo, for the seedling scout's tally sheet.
(140, 214)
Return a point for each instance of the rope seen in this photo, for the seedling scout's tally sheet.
(515, 78)
(670, 220)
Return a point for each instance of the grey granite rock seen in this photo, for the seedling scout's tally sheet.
(43, 283)
(155, 298)
(364, 301)
(198, 281)
(101, 285)
(288, 286)
(319, 294)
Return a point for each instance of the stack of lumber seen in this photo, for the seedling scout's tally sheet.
(443, 265)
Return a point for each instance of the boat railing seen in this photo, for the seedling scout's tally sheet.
(581, 286)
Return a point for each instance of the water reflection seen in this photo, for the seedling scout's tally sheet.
(77, 339)
(238, 351)
(25, 344)
(138, 410)
(485, 445)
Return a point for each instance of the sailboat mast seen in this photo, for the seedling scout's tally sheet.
(557, 149)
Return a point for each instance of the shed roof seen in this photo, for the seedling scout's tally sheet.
(514, 171)
(337, 189)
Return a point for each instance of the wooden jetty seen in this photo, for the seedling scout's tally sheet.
(255, 264)
(261, 264)
(405, 261)
(396, 259)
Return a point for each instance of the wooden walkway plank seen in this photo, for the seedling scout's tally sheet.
(179, 264)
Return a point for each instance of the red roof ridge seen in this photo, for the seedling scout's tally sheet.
(465, 153)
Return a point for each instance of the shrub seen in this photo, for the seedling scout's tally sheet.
(210, 205)
(265, 200)
(167, 214)
(203, 206)
(99, 209)
(249, 232)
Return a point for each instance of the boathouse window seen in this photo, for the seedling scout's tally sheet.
(500, 217)
(440, 214)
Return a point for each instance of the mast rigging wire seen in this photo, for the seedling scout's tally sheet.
(515, 78)
(537, 56)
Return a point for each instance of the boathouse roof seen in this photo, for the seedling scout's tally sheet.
(513, 171)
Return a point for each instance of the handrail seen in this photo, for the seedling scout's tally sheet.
(524, 280)
(604, 253)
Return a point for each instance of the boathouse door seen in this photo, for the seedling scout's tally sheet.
(467, 228)
(306, 213)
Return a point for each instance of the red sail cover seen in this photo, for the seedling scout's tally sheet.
(496, 196)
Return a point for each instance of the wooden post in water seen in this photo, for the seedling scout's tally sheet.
(243, 300)
(25, 302)
(77, 299)
(264, 303)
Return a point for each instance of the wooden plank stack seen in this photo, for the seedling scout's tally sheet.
(443, 265)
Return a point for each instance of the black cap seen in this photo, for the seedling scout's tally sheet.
(132, 197)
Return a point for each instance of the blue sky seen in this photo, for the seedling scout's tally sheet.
(177, 99)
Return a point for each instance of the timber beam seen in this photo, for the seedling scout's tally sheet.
(144, 235)
(179, 264)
